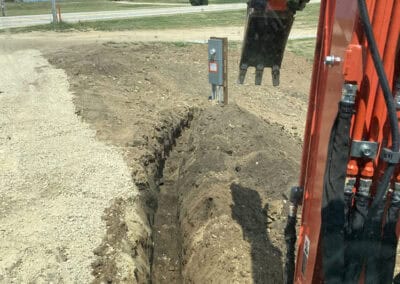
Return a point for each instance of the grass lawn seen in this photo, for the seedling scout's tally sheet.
(305, 19)
(187, 1)
(195, 20)
(67, 6)
(302, 47)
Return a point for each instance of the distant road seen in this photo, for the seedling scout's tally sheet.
(31, 20)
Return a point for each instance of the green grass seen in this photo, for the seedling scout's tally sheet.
(160, 1)
(210, 19)
(187, 1)
(305, 18)
(68, 6)
(302, 47)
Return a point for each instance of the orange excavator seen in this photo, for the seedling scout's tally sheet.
(349, 186)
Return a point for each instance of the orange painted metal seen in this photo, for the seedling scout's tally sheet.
(277, 5)
(353, 64)
(341, 34)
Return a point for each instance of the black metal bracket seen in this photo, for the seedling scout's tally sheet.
(364, 149)
(389, 156)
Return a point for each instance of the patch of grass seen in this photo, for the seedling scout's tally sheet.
(302, 47)
(68, 6)
(305, 18)
(308, 18)
(187, 1)
(181, 44)
(159, 1)
(197, 20)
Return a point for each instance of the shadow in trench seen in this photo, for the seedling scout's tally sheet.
(248, 212)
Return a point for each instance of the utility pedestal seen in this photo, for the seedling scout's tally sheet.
(218, 69)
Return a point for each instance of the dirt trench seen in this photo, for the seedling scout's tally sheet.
(211, 207)
(220, 202)
(214, 202)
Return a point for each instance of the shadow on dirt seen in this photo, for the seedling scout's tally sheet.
(248, 212)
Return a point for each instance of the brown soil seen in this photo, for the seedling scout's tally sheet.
(230, 186)
(228, 171)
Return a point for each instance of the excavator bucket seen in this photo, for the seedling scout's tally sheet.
(267, 31)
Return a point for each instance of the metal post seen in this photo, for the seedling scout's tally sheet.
(53, 11)
(59, 13)
(3, 7)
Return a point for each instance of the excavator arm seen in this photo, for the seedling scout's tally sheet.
(266, 33)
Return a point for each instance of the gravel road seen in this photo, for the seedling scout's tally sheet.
(56, 180)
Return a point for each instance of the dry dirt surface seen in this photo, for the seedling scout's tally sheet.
(142, 97)
(105, 146)
(200, 35)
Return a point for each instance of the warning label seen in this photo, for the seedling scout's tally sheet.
(213, 67)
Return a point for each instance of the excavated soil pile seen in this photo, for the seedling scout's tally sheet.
(231, 181)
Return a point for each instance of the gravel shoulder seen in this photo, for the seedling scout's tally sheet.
(56, 180)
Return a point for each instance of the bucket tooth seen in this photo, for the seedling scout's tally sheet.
(259, 74)
(242, 73)
(275, 75)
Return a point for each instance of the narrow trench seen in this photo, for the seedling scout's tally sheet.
(166, 252)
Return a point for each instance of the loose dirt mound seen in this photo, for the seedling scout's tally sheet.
(230, 195)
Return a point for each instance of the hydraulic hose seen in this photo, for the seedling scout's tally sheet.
(290, 239)
(390, 105)
(387, 259)
(354, 242)
(296, 196)
(333, 201)
(372, 229)
(373, 272)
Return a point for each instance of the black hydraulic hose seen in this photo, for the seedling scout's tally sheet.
(390, 105)
(290, 239)
(372, 229)
(373, 272)
(349, 198)
(387, 259)
(333, 203)
(296, 196)
(354, 241)
(348, 201)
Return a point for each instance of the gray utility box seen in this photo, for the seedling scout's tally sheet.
(216, 61)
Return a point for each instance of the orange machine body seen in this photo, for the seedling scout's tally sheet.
(340, 34)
